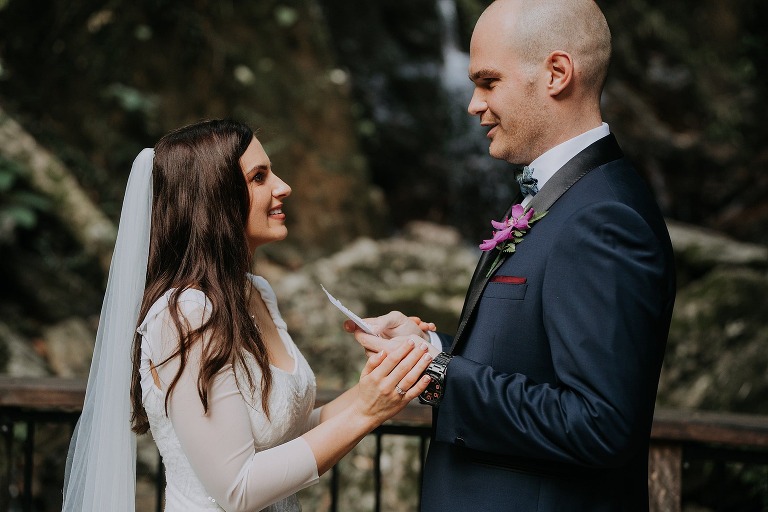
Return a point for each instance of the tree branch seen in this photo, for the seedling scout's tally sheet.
(50, 177)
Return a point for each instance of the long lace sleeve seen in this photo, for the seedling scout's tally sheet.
(220, 444)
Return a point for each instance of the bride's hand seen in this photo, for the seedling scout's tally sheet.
(389, 381)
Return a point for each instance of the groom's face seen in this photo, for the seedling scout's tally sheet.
(506, 95)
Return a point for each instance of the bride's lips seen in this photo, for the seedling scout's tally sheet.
(276, 213)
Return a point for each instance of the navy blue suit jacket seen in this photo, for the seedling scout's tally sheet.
(549, 398)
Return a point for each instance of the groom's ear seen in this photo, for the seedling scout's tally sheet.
(560, 68)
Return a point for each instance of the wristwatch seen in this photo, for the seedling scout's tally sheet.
(436, 371)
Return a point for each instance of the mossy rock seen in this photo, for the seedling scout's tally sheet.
(716, 357)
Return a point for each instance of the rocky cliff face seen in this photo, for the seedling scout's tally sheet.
(716, 358)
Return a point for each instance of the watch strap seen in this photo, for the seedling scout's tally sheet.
(436, 370)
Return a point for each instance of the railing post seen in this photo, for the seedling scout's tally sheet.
(335, 488)
(159, 484)
(5, 493)
(377, 473)
(665, 477)
(29, 456)
(422, 460)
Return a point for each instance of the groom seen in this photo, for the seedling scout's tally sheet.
(544, 398)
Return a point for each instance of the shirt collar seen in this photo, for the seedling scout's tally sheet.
(549, 162)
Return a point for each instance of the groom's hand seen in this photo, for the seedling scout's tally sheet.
(392, 325)
(424, 326)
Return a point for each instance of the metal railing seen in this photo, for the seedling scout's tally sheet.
(678, 439)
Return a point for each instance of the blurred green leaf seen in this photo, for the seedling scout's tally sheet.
(7, 180)
(130, 98)
(19, 206)
(32, 201)
(20, 216)
(286, 16)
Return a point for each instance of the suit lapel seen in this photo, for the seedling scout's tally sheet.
(599, 153)
(478, 282)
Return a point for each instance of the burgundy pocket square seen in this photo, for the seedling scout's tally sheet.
(508, 279)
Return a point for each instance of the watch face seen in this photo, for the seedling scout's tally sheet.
(434, 391)
(428, 398)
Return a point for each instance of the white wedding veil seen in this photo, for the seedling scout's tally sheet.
(101, 463)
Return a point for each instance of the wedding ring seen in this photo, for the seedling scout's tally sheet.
(399, 391)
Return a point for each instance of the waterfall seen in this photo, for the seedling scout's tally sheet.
(478, 181)
(453, 74)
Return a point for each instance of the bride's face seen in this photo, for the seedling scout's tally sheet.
(266, 220)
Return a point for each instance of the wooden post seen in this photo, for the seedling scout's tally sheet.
(665, 477)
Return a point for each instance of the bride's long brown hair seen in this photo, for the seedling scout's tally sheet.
(200, 208)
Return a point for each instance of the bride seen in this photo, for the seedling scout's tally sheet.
(193, 348)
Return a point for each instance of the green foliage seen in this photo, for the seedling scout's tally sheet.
(131, 99)
(724, 486)
(19, 208)
(286, 16)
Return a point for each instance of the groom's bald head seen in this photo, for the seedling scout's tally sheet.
(533, 29)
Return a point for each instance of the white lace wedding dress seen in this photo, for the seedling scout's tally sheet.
(234, 457)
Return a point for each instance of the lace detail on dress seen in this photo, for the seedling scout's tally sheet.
(290, 403)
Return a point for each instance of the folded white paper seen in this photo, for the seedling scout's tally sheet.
(359, 321)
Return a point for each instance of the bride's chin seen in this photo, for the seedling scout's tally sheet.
(279, 236)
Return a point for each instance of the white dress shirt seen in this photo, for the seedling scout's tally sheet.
(549, 162)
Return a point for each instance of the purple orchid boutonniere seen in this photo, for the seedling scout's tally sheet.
(509, 232)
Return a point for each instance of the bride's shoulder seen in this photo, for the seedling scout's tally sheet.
(191, 303)
(192, 298)
(263, 286)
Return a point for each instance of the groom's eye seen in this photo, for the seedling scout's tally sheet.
(487, 83)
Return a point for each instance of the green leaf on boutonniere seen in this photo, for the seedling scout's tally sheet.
(509, 248)
(537, 216)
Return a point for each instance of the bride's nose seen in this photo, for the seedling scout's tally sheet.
(281, 189)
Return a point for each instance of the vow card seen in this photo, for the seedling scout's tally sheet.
(359, 321)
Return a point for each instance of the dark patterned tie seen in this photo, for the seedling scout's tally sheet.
(528, 184)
